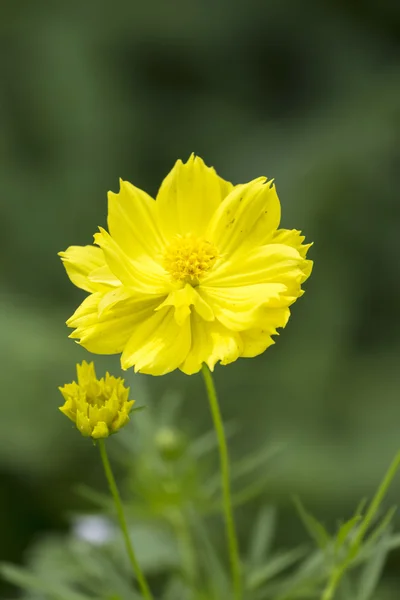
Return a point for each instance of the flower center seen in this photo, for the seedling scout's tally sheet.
(188, 257)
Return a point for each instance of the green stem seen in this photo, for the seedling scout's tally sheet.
(376, 502)
(373, 508)
(122, 521)
(225, 480)
(333, 582)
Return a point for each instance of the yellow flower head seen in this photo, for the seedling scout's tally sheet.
(201, 274)
(98, 407)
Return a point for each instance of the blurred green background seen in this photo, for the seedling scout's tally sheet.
(305, 92)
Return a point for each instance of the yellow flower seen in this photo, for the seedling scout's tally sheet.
(98, 407)
(200, 275)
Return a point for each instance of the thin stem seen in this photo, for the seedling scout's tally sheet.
(122, 521)
(225, 480)
(333, 582)
(376, 501)
(373, 508)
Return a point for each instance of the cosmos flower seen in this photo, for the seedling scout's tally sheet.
(98, 407)
(201, 274)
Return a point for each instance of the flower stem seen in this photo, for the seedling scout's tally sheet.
(331, 587)
(225, 480)
(122, 522)
(376, 502)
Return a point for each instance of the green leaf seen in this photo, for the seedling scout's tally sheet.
(394, 542)
(96, 498)
(274, 566)
(360, 508)
(345, 530)
(250, 491)
(244, 467)
(31, 582)
(254, 461)
(216, 576)
(346, 589)
(316, 529)
(381, 528)
(262, 536)
(305, 579)
(373, 569)
(137, 408)
(176, 588)
(208, 442)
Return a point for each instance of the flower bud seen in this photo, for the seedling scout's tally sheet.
(171, 443)
(98, 407)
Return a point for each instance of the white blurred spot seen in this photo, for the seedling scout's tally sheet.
(94, 529)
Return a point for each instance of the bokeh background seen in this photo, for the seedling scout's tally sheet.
(305, 92)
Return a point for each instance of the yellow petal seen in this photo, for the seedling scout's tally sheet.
(69, 410)
(307, 269)
(86, 373)
(83, 423)
(106, 414)
(245, 287)
(144, 276)
(158, 344)
(100, 431)
(112, 405)
(113, 297)
(211, 342)
(85, 316)
(121, 420)
(132, 221)
(183, 299)
(69, 390)
(80, 262)
(93, 414)
(291, 237)
(272, 263)
(128, 405)
(238, 308)
(188, 197)
(110, 332)
(103, 275)
(247, 217)
(258, 339)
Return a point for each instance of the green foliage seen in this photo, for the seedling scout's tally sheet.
(351, 544)
(171, 500)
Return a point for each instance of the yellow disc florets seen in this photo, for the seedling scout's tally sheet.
(98, 407)
(188, 257)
